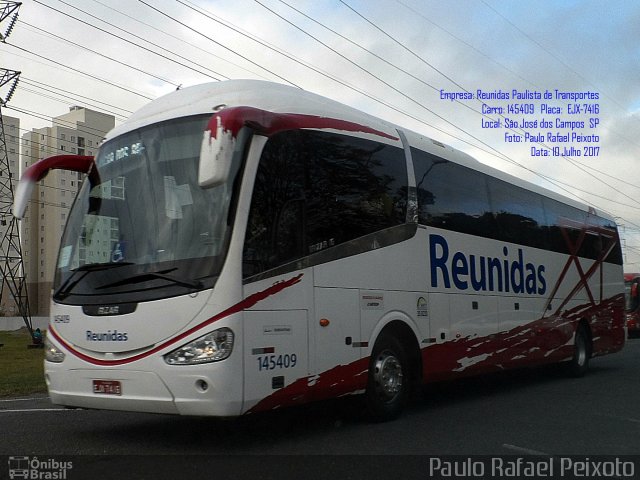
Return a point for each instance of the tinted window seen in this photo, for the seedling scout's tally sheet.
(519, 214)
(451, 196)
(461, 199)
(574, 231)
(317, 190)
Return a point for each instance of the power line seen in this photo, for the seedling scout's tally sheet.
(609, 175)
(370, 52)
(416, 12)
(153, 75)
(131, 42)
(403, 46)
(634, 206)
(66, 102)
(71, 72)
(83, 98)
(216, 42)
(79, 71)
(175, 37)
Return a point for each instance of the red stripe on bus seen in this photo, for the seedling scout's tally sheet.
(523, 345)
(268, 123)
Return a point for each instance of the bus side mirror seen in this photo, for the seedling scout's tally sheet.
(216, 153)
(221, 138)
(40, 169)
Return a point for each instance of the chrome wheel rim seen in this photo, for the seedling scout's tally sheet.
(387, 375)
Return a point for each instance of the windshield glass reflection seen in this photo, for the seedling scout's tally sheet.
(146, 230)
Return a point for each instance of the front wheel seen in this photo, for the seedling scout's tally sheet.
(579, 364)
(389, 381)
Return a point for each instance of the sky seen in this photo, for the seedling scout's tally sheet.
(401, 60)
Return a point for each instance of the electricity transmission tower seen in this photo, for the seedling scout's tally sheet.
(11, 263)
(8, 9)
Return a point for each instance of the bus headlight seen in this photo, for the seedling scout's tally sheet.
(212, 347)
(51, 352)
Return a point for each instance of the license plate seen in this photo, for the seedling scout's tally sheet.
(107, 387)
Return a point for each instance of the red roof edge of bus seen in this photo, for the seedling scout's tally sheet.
(267, 123)
(630, 276)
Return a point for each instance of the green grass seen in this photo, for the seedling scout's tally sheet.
(21, 368)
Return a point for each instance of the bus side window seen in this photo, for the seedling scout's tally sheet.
(520, 214)
(452, 196)
(288, 232)
(274, 229)
(356, 187)
(317, 190)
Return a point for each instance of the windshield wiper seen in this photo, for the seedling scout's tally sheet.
(68, 285)
(147, 276)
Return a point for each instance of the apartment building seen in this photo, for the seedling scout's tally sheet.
(78, 132)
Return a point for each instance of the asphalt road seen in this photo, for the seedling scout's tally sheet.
(527, 412)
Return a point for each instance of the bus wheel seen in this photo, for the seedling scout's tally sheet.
(579, 364)
(389, 380)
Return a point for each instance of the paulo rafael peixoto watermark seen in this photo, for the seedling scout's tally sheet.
(523, 467)
(34, 468)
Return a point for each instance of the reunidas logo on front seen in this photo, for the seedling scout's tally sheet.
(38, 469)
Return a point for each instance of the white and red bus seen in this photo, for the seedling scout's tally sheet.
(242, 246)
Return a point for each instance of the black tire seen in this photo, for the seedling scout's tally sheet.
(579, 364)
(389, 382)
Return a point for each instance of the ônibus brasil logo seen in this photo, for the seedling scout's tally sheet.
(38, 469)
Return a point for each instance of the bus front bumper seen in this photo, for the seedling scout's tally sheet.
(137, 391)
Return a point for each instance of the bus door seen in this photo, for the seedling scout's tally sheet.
(276, 337)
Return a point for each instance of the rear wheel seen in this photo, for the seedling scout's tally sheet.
(579, 364)
(389, 381)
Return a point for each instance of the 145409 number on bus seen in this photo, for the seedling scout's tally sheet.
(273, 362)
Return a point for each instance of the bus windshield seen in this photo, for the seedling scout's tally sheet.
(146, 230)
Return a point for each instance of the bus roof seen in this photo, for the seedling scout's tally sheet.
(269, 96)
(278, 98)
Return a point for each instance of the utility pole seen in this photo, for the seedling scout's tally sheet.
(11, 262)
